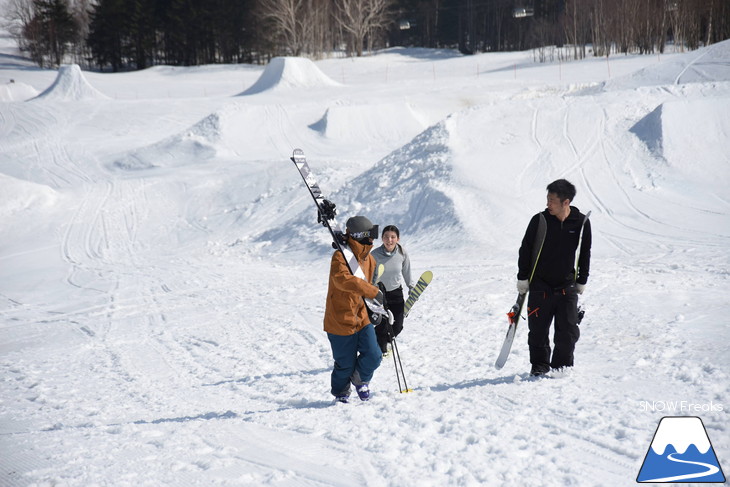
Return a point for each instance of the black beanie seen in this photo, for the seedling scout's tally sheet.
(358, 224)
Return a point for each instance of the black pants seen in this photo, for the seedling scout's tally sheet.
(543, 305)
(395, 303)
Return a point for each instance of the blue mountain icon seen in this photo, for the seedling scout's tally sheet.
(681, 452)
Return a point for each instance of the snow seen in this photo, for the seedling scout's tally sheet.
(163, 276)
(12, 91)
(290, 73)
(71, 85)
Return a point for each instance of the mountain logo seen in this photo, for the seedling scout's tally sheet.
(681, 452)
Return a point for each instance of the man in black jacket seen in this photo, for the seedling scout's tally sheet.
(553, 281)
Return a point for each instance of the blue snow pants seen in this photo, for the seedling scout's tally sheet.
(356, 356)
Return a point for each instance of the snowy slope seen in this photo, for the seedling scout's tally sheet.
(162, 275)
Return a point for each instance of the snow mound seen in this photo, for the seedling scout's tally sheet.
(701, 124)
(199, 143)
(675, 125)
(224, 134)
(20, 195)
(290, 72)
(381, 123)
(408, 188)
(70, 84)
(17, 91)
(709, 64)
(649, 130)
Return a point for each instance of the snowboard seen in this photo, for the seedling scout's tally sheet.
(416, 292)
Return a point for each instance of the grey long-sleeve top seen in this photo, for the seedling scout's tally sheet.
(397, 265)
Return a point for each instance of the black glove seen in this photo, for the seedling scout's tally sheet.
(380, 298)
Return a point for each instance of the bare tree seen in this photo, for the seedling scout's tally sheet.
(363, 20)
(292, 21)
(18, 14)
(322, 38)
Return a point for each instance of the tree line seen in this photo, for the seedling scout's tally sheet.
(136, 34)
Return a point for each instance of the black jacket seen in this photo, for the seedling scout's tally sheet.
(555, 267)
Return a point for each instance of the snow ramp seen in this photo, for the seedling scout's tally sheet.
(201, 142)
(17, 91)
(701, 124)
(21, 197)
(710, 64)
(71, 85)
(234, 132)
(409, 188)
(378, 123)
(284, 73)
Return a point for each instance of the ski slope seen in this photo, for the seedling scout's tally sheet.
(163, 277)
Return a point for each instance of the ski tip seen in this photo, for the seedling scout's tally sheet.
(379, 271)
(406, 390)
(297, 154)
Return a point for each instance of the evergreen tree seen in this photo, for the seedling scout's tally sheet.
(107, 32)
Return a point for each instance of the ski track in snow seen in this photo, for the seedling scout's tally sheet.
(161, 323)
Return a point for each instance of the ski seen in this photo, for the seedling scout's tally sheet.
(416, 292)
(581, 311)
(514, 317)
(516, 311)
(379, 271)
(580, 243)
(326, 212)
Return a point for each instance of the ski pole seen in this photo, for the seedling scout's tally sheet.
(395, 365)
(396, 353)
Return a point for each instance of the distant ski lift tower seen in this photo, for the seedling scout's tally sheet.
(523, 11)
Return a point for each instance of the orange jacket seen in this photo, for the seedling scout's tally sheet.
(345, 312)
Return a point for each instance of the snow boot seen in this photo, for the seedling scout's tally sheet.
(539, 370)
(363, 391)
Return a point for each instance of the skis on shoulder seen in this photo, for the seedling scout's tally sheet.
(326, 213)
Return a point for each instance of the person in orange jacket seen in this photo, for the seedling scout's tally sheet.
(349, 329)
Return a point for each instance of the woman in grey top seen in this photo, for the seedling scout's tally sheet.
(397, 271)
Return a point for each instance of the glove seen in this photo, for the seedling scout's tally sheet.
(580, 288)
(523, 285)
(380, 298)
